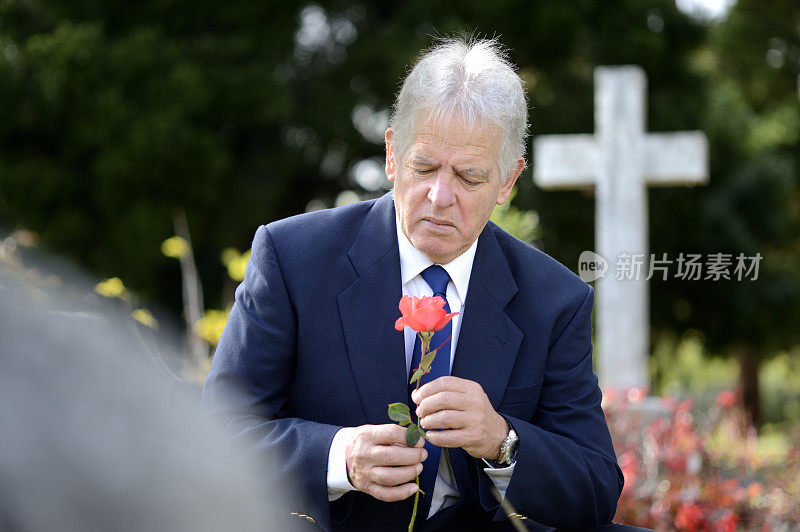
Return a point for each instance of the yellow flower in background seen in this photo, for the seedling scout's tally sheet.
(145, 317)
(175, 247)
(112, 287)
(211, 325)
(235, 262)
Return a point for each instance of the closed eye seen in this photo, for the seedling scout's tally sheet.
(472, 177)
(470, 181)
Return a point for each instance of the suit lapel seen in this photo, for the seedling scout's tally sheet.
(368, 310)
(489, 340)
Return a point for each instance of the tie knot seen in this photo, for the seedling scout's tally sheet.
(437, 278)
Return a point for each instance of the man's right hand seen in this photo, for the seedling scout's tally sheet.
(381, 464)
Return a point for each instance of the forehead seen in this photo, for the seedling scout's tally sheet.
(437, 138)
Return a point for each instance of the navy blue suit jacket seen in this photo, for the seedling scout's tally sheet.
(310, 347)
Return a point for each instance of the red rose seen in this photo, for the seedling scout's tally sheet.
(423, 314)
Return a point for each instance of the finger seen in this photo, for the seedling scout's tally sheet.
(444, 419)
(387, 434)
(395, 455)
(396, 493)
(394, 476)
(444, 400)
(450, 438)
(447, 382)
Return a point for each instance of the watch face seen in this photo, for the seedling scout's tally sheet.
(509, 447)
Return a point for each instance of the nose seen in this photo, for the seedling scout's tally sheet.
(441, 193)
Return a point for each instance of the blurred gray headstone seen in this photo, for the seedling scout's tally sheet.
(93, 437)
(620, 160)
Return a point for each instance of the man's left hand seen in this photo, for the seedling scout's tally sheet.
(462, 407)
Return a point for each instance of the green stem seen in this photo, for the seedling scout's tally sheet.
(425, 347)
(414, 511)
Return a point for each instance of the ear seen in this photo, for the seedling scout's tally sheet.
(391, 166)
(511, 180)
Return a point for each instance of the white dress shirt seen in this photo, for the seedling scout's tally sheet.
(412, 263)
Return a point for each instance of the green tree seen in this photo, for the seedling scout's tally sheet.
(113, 114)
(751, 63)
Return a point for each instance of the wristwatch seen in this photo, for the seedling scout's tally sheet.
(508, 450)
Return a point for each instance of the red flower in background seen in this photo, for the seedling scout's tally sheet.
(678, 478)
(727, 523)
(423, 314)
(726, 399)
(690, 517)
(627, 462)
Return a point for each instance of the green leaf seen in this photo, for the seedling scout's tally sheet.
(413, 434)
(425, 336)
(399, 412)
(404, 422)
(427, 360)
(417, 374)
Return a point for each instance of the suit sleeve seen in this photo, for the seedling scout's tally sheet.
(566, 474)
(250, 381)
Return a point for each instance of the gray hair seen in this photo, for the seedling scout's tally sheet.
(471, 80)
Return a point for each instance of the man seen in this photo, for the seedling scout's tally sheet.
(310, 360)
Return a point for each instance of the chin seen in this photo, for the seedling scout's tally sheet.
(436, 253)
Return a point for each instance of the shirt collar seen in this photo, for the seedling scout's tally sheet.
(413, 262)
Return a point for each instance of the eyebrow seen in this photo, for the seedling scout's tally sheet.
(419, 159)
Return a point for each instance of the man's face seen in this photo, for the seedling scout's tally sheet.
(446, 185)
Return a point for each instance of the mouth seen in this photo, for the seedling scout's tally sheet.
(437, 224)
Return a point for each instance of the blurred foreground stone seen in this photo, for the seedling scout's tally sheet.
(94, 436)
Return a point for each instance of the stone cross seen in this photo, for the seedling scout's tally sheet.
(620, 160)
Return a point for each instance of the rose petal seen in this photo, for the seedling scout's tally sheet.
(435, 301)
(405, 305)
(429, 316)
(445, 320)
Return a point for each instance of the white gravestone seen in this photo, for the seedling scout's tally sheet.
(620, 160)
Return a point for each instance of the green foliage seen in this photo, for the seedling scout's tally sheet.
(419, 372)
(752, 202)
(427, 360)
(682, 367)
(523, 224)
(113, 115)
(399, 412)
(413, 434)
